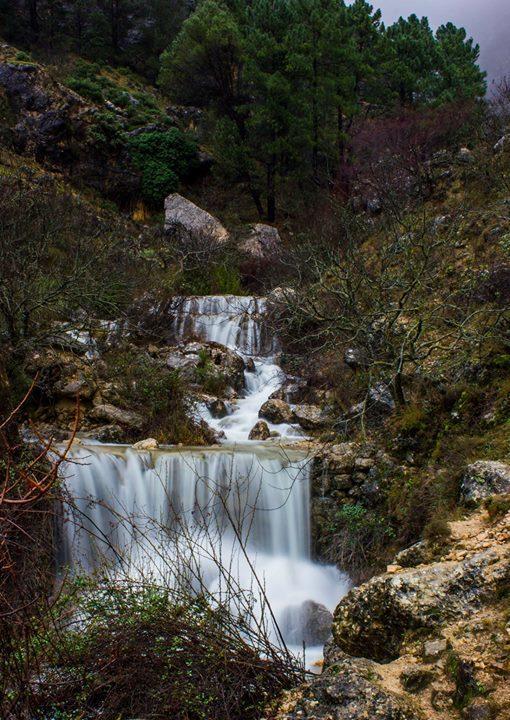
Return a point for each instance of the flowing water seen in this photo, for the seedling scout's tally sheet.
(237, 515)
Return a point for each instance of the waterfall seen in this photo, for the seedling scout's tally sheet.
(239, 324)
(238, 513)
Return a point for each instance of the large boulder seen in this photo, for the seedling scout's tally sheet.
(373, 619)
(309, 622)
(310, 417)
(259, 431)
(187, 222)
(350, 689)
(277, 412)
(262, 243)
(116, 416)
(484, 478)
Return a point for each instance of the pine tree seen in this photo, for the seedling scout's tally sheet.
(460, 75)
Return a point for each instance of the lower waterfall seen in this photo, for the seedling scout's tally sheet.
(232, 521)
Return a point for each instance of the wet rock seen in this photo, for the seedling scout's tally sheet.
(187, 222)
(145, 445)
(259, 431)
(228, 363)
(373, 619)
(310, 623)
(74, 388)
(262, 242)
(115, 415)
(106, 434)
(310, 417)
(218, 408)
(277, 412)
(349, 689)
(485, 478)
(292, 391)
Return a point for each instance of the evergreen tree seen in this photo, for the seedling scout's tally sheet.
(459, 73)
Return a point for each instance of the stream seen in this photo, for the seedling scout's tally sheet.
(232, 520)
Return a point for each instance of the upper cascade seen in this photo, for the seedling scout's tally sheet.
(239, 323)
(235, 321)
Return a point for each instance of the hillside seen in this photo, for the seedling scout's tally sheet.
(254, 368)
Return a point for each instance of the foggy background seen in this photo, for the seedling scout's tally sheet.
(487, 21)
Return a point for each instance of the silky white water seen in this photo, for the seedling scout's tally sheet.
(236, 516)
(239, 324)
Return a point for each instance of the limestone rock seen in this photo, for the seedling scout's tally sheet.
(259, 431)
(262, 242)
(417, 554)
(145, 445)
(310, 417)
(277, 412)
(349, 689)
(483, 479)
(465, 156)
(186, 221)
(115, 415)
(373, 618)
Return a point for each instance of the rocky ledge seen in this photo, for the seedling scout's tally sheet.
(425, 642)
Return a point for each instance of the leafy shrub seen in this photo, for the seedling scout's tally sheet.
(106, 131)
(86, 88)
(157, 393)
(357, 539)
(145, 652)
(210, 378)
(163, 159)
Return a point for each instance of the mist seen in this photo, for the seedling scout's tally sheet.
(487, 21)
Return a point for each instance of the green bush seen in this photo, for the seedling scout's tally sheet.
(87, 88)
(146, 651)
(163, 158)
(157, 393)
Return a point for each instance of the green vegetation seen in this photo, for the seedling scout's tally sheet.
(186, 659)
(285, 82)
(164, 158)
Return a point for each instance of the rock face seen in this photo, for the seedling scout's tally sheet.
(187, 222)
(262, 242)
(483, 479)
(373, 619)
(276, 411)
(259, 431)
(51, 123)
(349, 689)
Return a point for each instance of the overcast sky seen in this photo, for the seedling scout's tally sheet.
(487, 21)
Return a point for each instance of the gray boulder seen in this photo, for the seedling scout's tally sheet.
(310, 417)
(262, 242)
(373, 619)
(277, 412)
(484, 478)
(186, 221)
(116, 416)
(309, 622)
